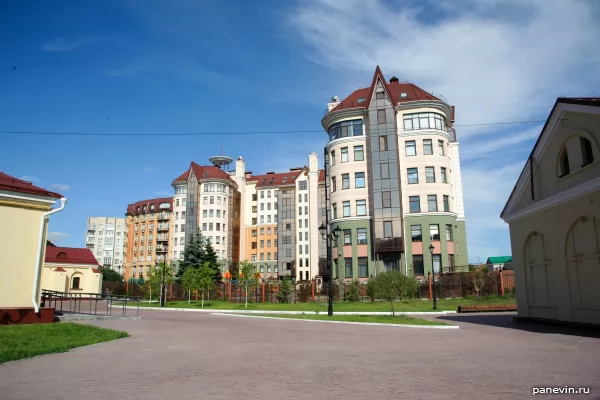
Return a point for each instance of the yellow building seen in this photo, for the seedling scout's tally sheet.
(554, 218)
(71, 270)
(24, 212)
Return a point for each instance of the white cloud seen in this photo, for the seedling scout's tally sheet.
(496, 61)
(61, 187)
(56, 237)
(61, 44)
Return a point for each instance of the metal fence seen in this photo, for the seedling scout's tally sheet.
(91, 303)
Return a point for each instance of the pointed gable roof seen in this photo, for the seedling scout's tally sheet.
(202, 172)
(275, 179)
(12, 184)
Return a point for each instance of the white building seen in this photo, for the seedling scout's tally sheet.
(178, 220)
(105, 237)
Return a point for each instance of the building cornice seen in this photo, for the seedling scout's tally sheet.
(431, 214)
(440, 105)
(25, 204)
(346, 139)
(348, 219)
(331, 117)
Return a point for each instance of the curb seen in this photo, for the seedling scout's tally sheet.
(346, 322)
(215, 311)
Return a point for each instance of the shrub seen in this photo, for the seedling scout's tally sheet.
(304, 292)
(393, 285)
(285, 291)
(352, 292)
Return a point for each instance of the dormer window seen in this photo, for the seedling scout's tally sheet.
(563, 163)
(587, 155)
(361, 100)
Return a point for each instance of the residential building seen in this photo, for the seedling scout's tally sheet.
(24, 211)
(105, 237)
(71, 270)
(149, 229)
(179, 218)
(553, 215)
(498, 263)
(393, 173)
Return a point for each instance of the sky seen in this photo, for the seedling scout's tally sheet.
(137, 67)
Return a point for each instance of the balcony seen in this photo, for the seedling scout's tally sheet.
(162, 238)
(163, 228)
(162, 249)
(163, 216)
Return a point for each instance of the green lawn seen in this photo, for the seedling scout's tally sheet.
(24, 341)
(369, 319)
(381, 306)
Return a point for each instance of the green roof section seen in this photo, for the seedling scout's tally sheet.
(499, 260)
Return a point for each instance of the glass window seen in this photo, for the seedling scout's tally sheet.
(347, 236)
(383, 143)
(361, 235)
(334, 210)
(427, 147)
(424, 121)
(432, 202)
(437, 263)
(346, 208)
(379, 96)
(348, 267)
(381, 116)
(434, 232)
(361, 207)
(386, 199)
(302, 185)
(345, 181)
(416, 234)
(449, 233)
(333, 185)
(359, 153)
(446, 204)
(415, 204)
(344, 154)
(363, 267)
(587, 153)
(444, 176)
(346, 128)
(413, 176)
(430, 174)
(418, 265)
(441, 147)
(332, 159)
(385, 171)
(359, 180)
(411, 148)
(387, 229)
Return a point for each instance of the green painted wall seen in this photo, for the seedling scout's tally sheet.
(339, 270)
(458, 233)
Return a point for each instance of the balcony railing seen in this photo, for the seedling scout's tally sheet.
(163, 228)
(163, 216)
(162, 238)
(161, 249)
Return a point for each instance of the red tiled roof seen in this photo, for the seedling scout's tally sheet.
(132, 208)
(203, 172)
(413, 93)
(282, 178)
(70, 255)
(60, 269)
(95, 270)
(322, 175)
(12, 184)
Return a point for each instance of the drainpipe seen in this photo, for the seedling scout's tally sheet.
(38, 264)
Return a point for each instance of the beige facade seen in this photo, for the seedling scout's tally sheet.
(24, 212)
(71, 278)
(554, 218)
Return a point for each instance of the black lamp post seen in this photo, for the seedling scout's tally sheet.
(330, 238)
(431, 248)
(162, 289)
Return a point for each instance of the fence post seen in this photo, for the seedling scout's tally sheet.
(229, 291)
(429, 285)
(312, 284)
(501, 276)
(263, 291)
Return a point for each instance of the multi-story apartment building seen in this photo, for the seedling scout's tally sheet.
(179, 218)
(395, 182)
(149, 229)
(105, 237)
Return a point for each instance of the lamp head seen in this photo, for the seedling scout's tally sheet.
(431, 248)
(336, 232)
(323, 231)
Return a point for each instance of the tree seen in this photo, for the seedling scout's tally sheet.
(393, 285)
(352, 293)
(193, 253)
(204, 279)
(155, 277)
(284, 291)
(188, 281)
(110, 275)
(246, 278)
(210, 257)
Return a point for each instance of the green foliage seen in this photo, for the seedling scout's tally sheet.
(110, 275)
(393, 285)
(371, 288)
(154, 281)
(210, 258)
(304, 292)
(284, 293)
(188, 281)
(352, 292)
(204, 279)
(247, 278)
(194, 253)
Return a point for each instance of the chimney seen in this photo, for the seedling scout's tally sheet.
(393, 79)
(313, 163)
(335, 100)
(240, 168)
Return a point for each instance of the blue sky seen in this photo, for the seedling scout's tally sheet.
(238, 66)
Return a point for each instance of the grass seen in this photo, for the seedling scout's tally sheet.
(378, 306)
(25, 341)
(369, 319)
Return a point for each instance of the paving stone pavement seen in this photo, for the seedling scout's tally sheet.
(178, 355)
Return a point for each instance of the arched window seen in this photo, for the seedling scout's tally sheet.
(563, 163)
(76, 282)
(587, 155)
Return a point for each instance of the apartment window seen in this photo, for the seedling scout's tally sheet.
(441, 147)
(386, 199)
(359, 180)
(299, 210)
(414, 204)
(262, 219)
(299, 198)
(333, 185)
(177, 215)
(346, 208)
(432, 202)
(430, 174)
(416, 234)
(347, 236)
(305, 210)
(381, 116)
(385, 171)
(306, 223)
(446, 201)
(413, 176)
(262, 256)
(218, 199)
(411, 148)
(434, 232)
(211, 213)
(361, 207)
(217, 239)
(345, 181)
(212, 199)
(379, 96)
(444, 175)
(299, 249)
(76, 282)
(387, 229)
(424, 121)
(253, 245)
(348, 267)
(204, 227)
(262, 207)
(268, 194)
(449, 233)
(383, 145)
(210, 226)
(306, 197)
(363, 267)
(359, 153)
(183, 215)
(269, 243)
(262, 194)
(437, 263)
(177, 203)
(361, 235)
(269, 268)
(182, 229)
(300, 223)
(268, 231)
(254, 197)
(332, 161)
(262, 243)
(418, 266)
(302, 185)
(305, 249)
(344, 157)
(218, 213)
(334, 211)
(427, 147)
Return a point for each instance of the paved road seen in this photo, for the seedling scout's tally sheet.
(177, 355)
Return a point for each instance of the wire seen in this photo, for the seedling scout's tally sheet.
(218, 133)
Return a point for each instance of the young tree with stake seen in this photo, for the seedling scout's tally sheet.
(204, 279)
(246, 278)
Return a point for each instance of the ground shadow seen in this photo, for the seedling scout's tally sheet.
(508, 321)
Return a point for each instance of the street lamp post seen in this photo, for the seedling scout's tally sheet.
(162, 290)
(431, 248)
(330, 238)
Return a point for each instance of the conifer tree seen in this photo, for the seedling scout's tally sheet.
(194, 252)
(210, 257)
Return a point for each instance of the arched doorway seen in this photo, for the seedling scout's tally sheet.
(536, 265)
